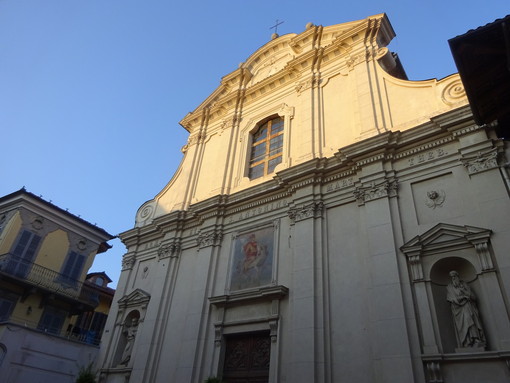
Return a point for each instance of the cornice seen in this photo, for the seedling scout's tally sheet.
(248, 296)
(174, 220)
(271, 46)
(215, 101)
(263, 189)
(23, 199)
(425, 147)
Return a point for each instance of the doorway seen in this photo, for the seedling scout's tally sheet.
(247, 358)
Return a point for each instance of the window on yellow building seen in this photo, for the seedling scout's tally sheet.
(73, 267)
(266, 148)
(23, 253)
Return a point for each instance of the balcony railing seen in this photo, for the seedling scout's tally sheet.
(72, 332)
(47, 279)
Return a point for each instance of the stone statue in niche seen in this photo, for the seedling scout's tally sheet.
(130, 334)
(466, 319)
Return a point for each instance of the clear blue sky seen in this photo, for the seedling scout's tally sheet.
(92, 91)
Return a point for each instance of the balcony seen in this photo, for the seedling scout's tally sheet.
(47, 281)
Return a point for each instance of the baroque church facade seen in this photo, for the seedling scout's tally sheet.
(331, 221)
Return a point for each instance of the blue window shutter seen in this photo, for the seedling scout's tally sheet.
(27, 245)
(74, 265)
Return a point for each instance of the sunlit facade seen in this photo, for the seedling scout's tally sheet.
(334, 262)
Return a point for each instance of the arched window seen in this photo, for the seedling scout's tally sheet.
(266, 148)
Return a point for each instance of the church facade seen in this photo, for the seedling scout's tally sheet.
(330, 221)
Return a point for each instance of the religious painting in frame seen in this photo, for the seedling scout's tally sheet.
(252, 261)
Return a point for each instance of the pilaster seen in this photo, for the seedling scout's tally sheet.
(388, 325)
(308, 337)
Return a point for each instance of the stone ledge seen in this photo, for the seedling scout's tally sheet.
(263, 293)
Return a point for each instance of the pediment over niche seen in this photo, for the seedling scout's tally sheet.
(445, 237)
(137, 297)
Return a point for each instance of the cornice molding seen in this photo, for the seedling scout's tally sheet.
(238, 298)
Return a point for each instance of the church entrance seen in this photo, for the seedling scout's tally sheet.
(247, 358)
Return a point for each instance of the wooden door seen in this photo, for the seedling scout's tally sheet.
(247, 358)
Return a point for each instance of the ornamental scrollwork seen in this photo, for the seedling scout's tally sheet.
(211, 238)
(386, 188)
(453, 92)
(169, 250)
(311, 210)
(128, 261)
(481, 161)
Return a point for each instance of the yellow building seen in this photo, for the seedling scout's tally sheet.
(45, 253)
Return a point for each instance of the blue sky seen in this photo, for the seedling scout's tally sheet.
(92, 91)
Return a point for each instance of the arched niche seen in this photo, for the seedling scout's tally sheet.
(439, 279)
(130, 317)
(127, 339)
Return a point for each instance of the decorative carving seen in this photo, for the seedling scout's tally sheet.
(414, 259)
(169, 250)
(145, 211)
(481, 161)
(311, 210)
(286, 111)
(434, 372)
(453, 93)
(271, 66)
(482, 250)
(37, 223)
(307, 84)
(195, 139)
(435, 198)
(226, 123)
(466, 320)
(82, 244)
(218, 335)
(128, 261)
(212, 238)
(354, 60)
(387, 188)
(273, 326)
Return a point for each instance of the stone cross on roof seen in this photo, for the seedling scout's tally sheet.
(275, 27)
